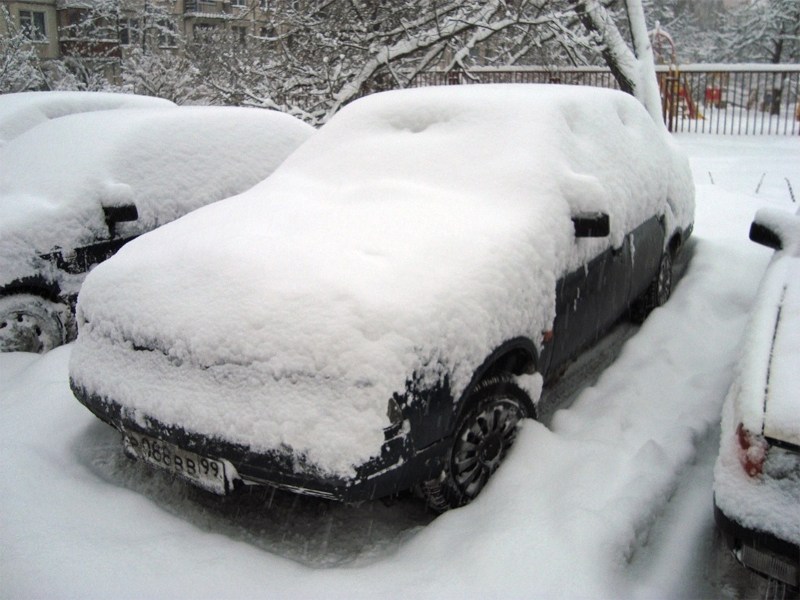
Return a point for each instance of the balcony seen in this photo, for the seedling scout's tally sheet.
(90, 48)
(208, 8)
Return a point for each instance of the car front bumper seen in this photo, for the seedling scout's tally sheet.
(398, 467)
(759, 551)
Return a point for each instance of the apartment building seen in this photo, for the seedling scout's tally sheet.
(106, 29)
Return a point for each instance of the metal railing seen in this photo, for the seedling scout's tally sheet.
(722, 99)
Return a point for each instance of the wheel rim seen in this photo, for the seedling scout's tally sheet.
(26, 331)
(482, 443)
(664, 280)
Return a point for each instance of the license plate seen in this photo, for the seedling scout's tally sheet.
(208, 473)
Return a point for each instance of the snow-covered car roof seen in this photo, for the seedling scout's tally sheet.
(23, 111)
(415, 230)
(55, 177)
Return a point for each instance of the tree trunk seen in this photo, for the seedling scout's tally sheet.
(634, 69)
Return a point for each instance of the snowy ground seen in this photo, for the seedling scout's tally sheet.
(611, 499)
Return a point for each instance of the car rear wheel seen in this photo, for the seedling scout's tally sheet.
(29, 323)
(657, 293)
(484, 433)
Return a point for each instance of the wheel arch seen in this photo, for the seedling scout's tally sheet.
(35, 286)
(517, 356)
(495, 379)
(675, 243)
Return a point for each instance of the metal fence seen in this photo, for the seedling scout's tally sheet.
(721, 99)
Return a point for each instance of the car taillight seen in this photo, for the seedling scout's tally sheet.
(752, 450)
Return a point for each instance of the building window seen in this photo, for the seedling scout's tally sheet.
(166, 33)
(202, 32)
(32, 24)
(238, 3)
(263, 4)
(128, 31)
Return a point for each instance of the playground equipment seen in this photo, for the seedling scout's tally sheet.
(676, 94)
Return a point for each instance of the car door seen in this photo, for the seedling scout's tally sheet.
(646, 247)
(586, 300)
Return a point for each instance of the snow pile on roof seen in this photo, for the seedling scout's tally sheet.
(416, 232)
(23, 111)
(166, 162)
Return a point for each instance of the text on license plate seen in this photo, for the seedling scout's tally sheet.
(207, 473)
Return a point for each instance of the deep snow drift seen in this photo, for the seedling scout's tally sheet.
(578, 510)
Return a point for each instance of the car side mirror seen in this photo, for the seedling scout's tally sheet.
(119, 214)
(764, 235)
(591, 225)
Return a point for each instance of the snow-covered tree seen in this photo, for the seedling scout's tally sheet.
(693, 26)
(320, 56)
(163, 74)
(20, 67)
(764, 31)
(240, 70)
(89, 43)
(632, 64)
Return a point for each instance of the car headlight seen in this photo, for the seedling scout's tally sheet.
(394, 412)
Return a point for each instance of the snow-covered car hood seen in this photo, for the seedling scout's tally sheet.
(166, 162)
(25, 110)
(414, 233)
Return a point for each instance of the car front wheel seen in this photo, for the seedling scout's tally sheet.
(29, 323)
(484, 433)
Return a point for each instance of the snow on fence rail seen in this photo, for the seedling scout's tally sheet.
(748, 99)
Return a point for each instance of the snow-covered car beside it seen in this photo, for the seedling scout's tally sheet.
(75, 189)
(757, 474)
(382, 312)
(25, 110)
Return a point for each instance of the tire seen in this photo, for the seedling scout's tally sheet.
(483, 435)
(29, 323)
(657, 293)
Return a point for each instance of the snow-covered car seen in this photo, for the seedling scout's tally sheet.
(757, 474)
(74, 189)
(24, 110)
(382, 312)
